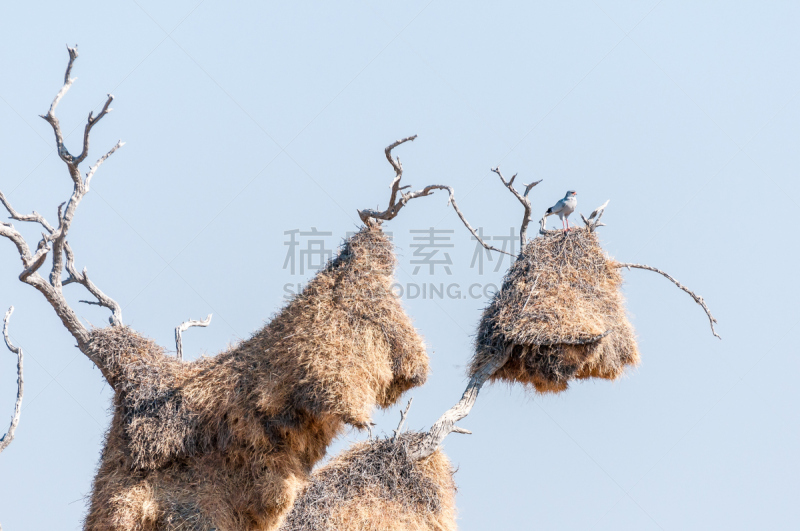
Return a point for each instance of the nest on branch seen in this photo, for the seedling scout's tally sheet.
(246, 427)
(375, 486)
(561, 312)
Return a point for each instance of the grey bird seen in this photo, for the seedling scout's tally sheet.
(564, 208)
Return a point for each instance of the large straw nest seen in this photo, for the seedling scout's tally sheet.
(561, 312)
(229, 439)
(375, 486)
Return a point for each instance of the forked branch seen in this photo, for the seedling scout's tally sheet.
(6, 439)
(397, 203)
(183, 327)
(82, 278)
(446, 424)
(403, 415)
(594, 218)
(54, 237)
(697, 298)
(522, 198)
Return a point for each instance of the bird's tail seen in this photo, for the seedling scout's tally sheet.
(549, 212)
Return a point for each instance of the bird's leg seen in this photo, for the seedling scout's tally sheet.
(567, 218)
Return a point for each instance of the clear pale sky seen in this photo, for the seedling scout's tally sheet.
(247, 120)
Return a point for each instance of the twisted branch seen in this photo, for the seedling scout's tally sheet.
(446, 424)
(698, 299)
(522, 198)
(183, 327)
(6, 439)
(395, 204)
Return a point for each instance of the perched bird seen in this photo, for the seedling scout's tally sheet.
(564, 208)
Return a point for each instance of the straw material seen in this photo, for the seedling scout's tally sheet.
(561, 309)
(225, 442)
(375, 486)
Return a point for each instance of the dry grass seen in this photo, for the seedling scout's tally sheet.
(225, 442)
(556, 303)
(375, 486)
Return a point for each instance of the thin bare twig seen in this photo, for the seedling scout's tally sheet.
(88, 129)
(183, 327)
(51, 113)
(403, 415)
(446, 424)
(697, 298)
(34, 217)
(522, 198)
(6, 439)
(597, 212)
(83, 279)
(396, 204)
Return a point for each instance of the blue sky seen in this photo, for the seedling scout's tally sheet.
(243, 121)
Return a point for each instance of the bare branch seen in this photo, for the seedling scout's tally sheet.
(522, 198)
(89, 124)
(598, 213)
(50, 117)
(59, 236)
(6, 439)
(398, 167)
(101, 160)
(82, 278)
(452, 200)
(403, 415)
(528, 187)
(396, 205)
(698, 299)
(431, 441)
(184, 327)
(34, 217)
(55, 238)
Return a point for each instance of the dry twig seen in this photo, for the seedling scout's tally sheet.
(6, 439)
(697, 298)
(597, 212)
(522, 198)
(403, 415)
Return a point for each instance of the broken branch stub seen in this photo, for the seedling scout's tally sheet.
(183, 327)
